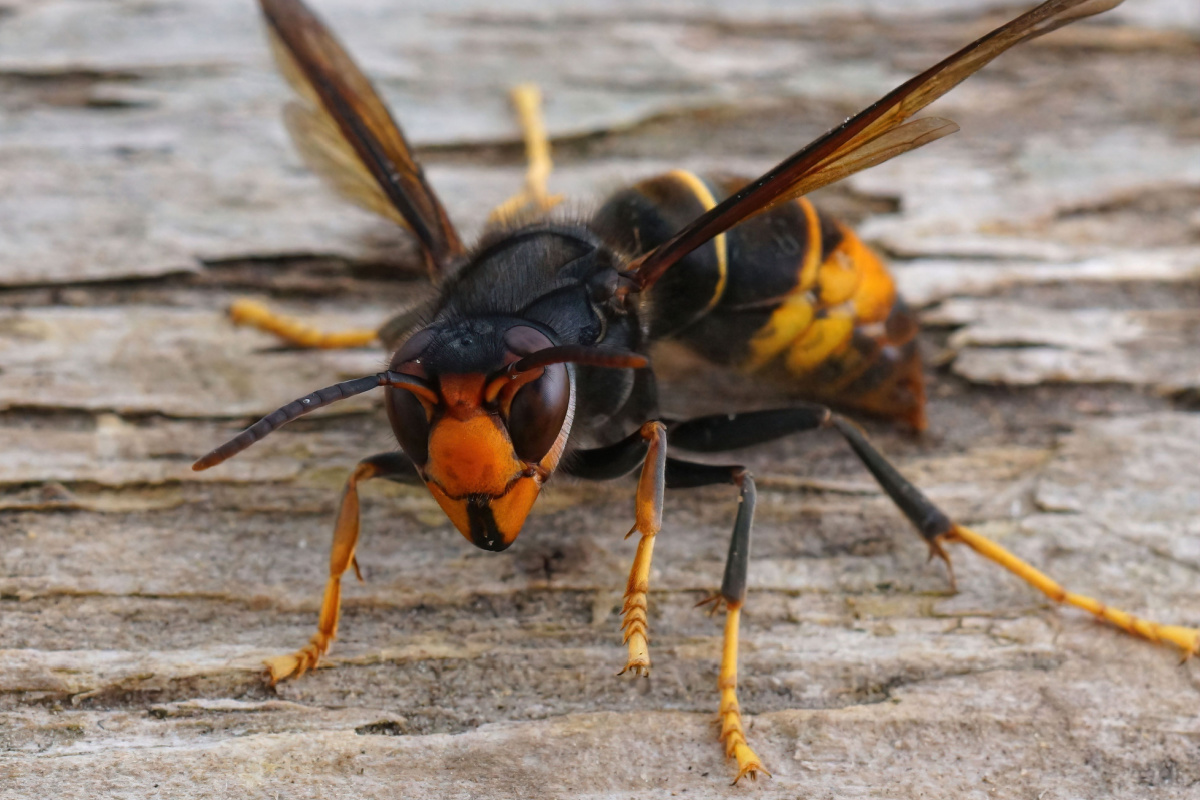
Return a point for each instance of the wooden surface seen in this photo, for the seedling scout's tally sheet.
(1054, 245)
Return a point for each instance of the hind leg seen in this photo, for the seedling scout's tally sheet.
(533, 199)
(248, 312)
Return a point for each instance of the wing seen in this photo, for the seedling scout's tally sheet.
(345, 133)
(874, 135)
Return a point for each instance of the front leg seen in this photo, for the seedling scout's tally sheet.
(648, 447)
(647, 522)
(393, 466)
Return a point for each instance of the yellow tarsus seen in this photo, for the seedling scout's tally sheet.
(729, 716)
(295, 332)
(635, 624)
(296, 664)
(1186, 639)
(341, 558)
(648, 522)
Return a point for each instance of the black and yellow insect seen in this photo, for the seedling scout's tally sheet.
(531, 358)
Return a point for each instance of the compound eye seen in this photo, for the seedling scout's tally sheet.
(408, 357)
(538, 411)
(538, 408)
(521, 340)
(407, 414)
(409, 422)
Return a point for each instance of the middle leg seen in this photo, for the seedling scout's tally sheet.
(648, 447)
(731, 598)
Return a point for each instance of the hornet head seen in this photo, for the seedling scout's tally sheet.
(483, 407)
(492, 430)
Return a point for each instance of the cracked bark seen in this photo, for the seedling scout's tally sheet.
(145, 181)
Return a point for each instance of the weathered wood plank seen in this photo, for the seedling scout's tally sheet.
(145, 181)
(180, 109)
(1015, 344)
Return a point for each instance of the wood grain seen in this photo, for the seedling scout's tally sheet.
(145, 181)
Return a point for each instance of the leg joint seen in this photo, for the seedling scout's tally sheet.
(653, 430)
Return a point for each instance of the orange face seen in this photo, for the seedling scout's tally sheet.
(473, 470)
